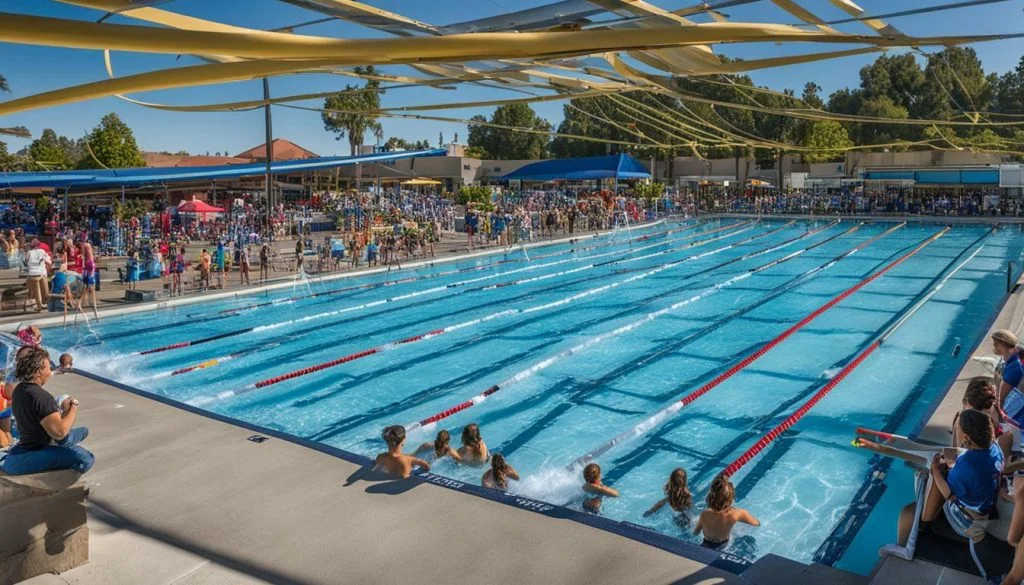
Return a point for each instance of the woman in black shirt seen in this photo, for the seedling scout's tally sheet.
(48, 441)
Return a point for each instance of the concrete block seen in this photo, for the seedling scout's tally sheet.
(44, 524)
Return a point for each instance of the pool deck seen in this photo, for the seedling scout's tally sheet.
(183, 499)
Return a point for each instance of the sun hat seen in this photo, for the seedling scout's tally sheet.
(1006, 336)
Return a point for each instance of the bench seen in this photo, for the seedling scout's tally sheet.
(44, 524)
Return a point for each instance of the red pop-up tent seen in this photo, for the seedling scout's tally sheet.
(200, 209)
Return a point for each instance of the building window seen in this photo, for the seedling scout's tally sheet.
(497, 169)
(465, 167)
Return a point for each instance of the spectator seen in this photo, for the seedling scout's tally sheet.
(38, 263)
(48, 441)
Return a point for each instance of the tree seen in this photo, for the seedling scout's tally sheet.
(502, 142)
(955, 82)
(476, 152)
(829, 141)
(345, 112)
(1009, 98)
(113, 145)
(6, 158)
(3, 84)
(50, 151)
(811, 97)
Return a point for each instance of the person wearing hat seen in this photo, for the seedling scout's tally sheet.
(1004, 343)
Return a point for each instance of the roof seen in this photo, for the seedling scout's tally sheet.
(161, 160)
(101, 178)
(283, 150)
(198, 207)
(620, 166)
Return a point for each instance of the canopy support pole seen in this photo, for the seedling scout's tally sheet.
(269, 132)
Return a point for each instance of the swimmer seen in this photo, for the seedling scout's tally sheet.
(717, 521)
(592, 485)
(66, 362)
(677, 494)
(30, 335)
(498, 475)
(394, 461)
(441, 447)
(473, 450)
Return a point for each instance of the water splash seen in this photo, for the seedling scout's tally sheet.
(556, 485)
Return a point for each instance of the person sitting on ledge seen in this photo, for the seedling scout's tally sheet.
(394, 461)
(48, 442)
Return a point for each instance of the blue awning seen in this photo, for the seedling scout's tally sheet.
(106, 178)
(937, 176)
(617, 166)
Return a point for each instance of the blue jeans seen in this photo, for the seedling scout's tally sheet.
(64, 454)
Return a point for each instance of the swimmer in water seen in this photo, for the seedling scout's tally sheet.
(717, 520)
(498, 475)
(66, 362)
(592, 485)
(441, 447)
(473, 450)
(677, 494)
(394, 461)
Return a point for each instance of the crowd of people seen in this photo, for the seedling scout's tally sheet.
(891, 202)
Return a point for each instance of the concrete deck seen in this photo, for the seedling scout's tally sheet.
(178, 498)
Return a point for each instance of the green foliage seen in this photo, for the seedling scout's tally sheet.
(343, 115)
(129, 209)
(650, 191)
(395, 143)
(3, 84)
(506, 144)
(51, 152)
(478, 195)
(828, 140)
(42, 205)
(476, 152)
(6, 158)
(113, 144)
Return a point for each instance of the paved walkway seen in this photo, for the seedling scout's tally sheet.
(111, 293)
(182, 499)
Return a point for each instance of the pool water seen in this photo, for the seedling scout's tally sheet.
(584, 341)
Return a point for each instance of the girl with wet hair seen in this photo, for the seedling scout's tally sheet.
(963, 490)
(441, 447)
(473, 450)
(498, 475)
(677, 493)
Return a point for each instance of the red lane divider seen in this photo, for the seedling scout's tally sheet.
(803, 322)
(459, 407)
(341, 360)
(796, 416)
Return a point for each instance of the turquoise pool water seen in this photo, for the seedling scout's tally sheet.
(585, 341)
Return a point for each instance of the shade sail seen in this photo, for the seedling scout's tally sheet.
(106, 178)
(616, 166)
(421, 182)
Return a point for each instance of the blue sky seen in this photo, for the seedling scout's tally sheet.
(31, 69)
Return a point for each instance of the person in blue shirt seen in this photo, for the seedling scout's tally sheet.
(1004, 343)
(962, 493)
(218, 264)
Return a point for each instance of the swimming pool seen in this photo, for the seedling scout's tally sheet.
(558, 350)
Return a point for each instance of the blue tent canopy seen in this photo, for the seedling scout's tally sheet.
(106, 178)
(617, 166)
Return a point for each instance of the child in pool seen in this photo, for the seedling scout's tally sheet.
(717, 520)
(592, 485)
(473, 450)
(66, 362)
(677, 494)
(498, 475)
(394, 461)
(441, 447)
